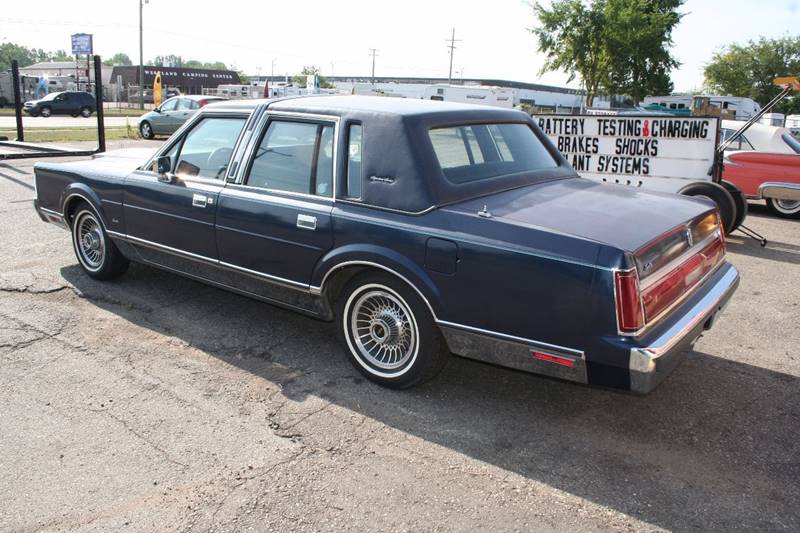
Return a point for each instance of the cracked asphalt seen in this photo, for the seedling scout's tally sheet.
(157, 403)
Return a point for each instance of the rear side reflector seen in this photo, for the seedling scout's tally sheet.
(553, 359)
(630, 316)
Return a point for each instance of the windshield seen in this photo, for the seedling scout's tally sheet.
(792, 141)
(480, 151)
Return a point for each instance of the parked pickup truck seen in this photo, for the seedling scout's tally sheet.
(421, 228)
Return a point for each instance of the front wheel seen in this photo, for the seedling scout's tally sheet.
(146, 130)
(388, 332)
(96, 253)
(784, 208)
(46, 112)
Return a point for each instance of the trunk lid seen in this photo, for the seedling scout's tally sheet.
(619, 216)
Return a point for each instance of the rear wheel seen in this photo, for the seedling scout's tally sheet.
(146, 130)
(86, 112)
(46, 112)
(784, 208)
(388, 332)
(717, 194)
(96, 253)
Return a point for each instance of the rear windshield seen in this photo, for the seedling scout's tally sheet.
(480, 151)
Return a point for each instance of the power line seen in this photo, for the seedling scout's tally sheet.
(452, 46)
(373, 52)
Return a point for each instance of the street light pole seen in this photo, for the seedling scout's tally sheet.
(141, 57)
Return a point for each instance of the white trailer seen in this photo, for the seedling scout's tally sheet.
(469, 94)
(744, 108)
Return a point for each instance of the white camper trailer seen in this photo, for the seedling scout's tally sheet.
(471, 94)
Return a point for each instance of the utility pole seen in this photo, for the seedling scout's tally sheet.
(141, 55)
(373, 52)
(452, 46)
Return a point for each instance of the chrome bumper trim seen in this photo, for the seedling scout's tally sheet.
(779, 190)
(650, 364)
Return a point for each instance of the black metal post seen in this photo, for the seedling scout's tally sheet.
(17, 98)
(98, 96)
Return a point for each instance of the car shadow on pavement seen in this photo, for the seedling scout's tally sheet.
(714, 447)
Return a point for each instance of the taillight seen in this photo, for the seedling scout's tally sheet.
(630, 315)
(202, 103)
(658, 296)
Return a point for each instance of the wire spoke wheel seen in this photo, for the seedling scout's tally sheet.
(90, 241)
(383, 329)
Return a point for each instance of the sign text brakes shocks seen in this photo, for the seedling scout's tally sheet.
(631, 149)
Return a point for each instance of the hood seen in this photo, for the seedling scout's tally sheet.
(136, 156)
(615, 215)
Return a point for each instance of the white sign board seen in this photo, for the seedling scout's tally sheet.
(654, 152)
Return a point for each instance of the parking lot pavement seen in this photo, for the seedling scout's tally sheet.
(158, 403)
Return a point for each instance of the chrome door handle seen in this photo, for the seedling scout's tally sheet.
(306, 222)
(199, 200)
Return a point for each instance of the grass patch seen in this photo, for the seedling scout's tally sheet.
(43, 135)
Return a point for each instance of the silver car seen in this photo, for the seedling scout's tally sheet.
(169, 116)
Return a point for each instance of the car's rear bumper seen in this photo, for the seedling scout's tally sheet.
(651, 363)
(637, 364)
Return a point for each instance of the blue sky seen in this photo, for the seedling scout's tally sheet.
(337, 35)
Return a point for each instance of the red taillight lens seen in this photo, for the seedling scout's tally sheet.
(660, 295)
(630, 317)
(202, 103)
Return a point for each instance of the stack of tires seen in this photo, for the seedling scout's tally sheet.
(729, 199)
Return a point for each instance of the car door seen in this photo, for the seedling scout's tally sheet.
(163, 122)
(177, 217)
(61, 104)
(276, 220)
(183, 112)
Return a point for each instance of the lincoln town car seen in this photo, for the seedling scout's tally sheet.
(422, 229)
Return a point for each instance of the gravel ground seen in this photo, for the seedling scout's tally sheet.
(157, 403)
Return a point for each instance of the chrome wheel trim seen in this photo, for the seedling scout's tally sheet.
(86, 112)
(90, 241)
(381, 330)
(45, 112)
(146, 130)
(788, 207)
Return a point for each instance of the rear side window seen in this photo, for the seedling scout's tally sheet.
(481, 151)
(294, 157)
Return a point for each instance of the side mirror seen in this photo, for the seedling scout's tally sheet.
(157, 109)
(164, 168)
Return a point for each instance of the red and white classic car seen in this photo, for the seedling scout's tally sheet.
(765, 164)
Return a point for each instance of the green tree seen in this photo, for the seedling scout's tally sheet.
(571, 38)
(639, 40)
(9, 51)
(119, 59)
(300, 79)
(748, 70)
(61, 55)
(616, 47)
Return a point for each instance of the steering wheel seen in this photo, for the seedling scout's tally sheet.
(218, 159)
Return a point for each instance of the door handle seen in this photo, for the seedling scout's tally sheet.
(307, 222)
(199, 200)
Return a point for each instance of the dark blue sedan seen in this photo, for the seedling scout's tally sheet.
(421, 228)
